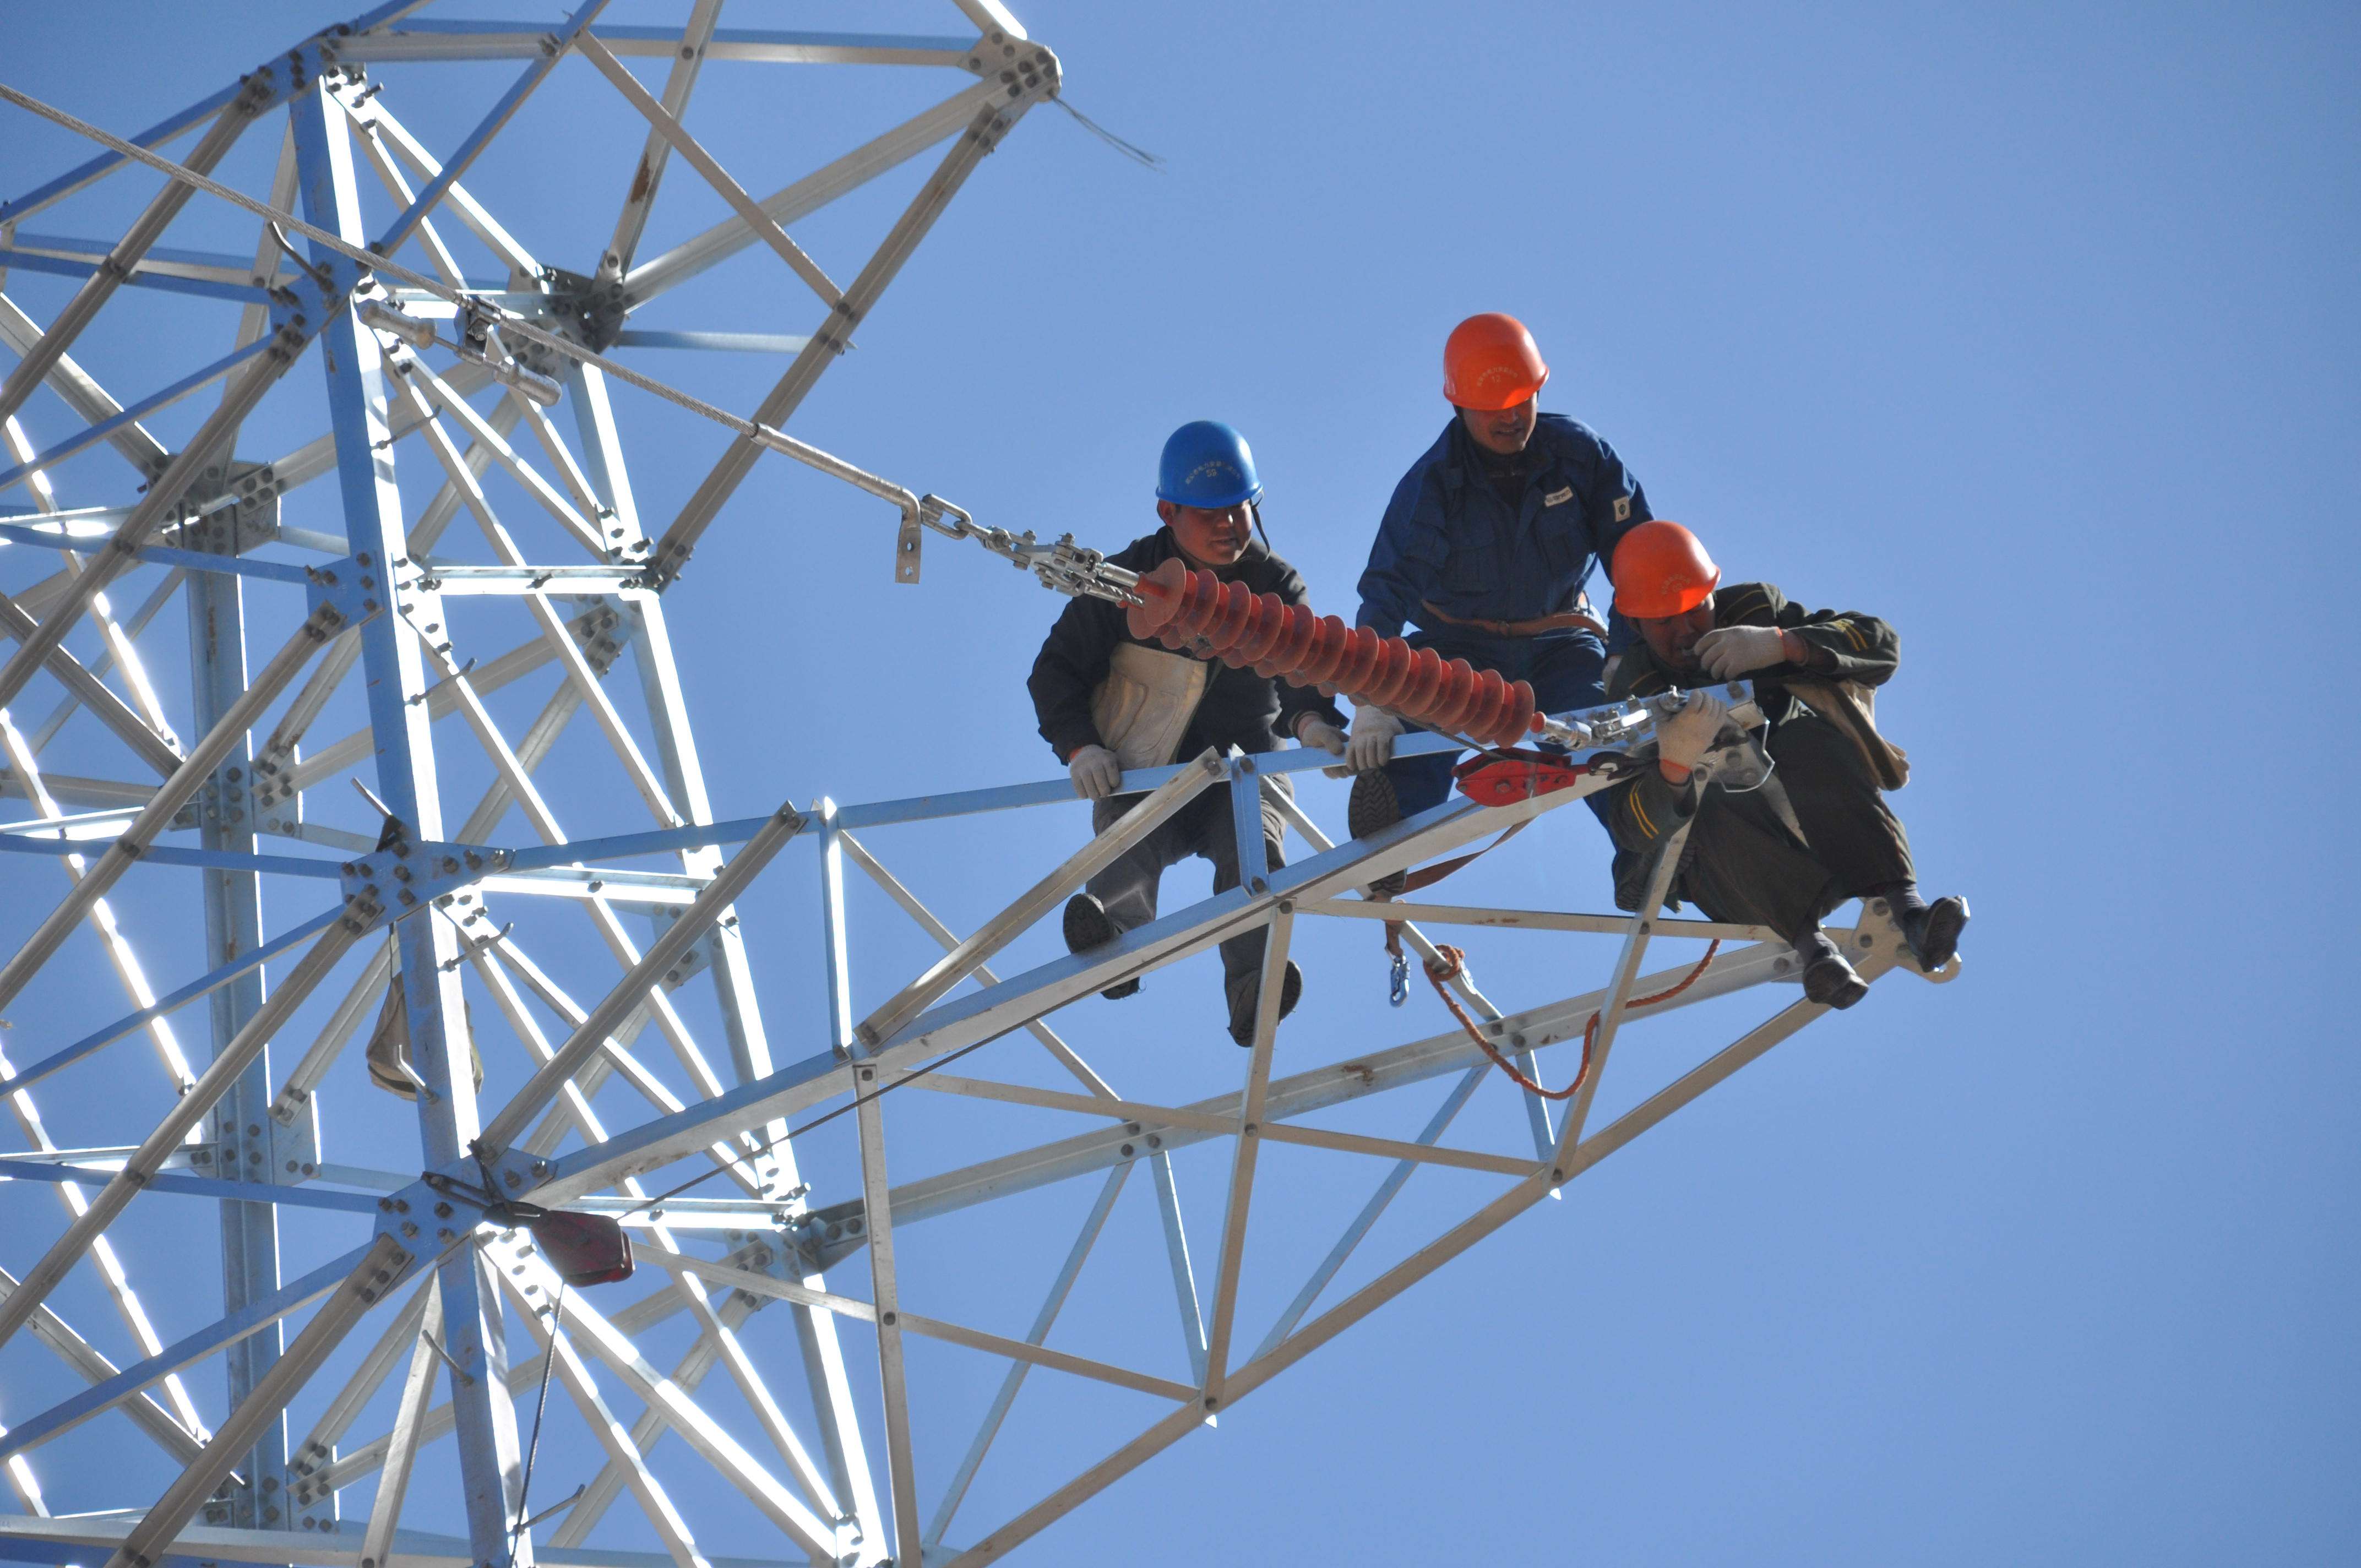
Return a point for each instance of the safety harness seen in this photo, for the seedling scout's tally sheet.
(1496, 779)
(1488, 778)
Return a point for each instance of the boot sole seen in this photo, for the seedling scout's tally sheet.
(1939, 941)
(1373, 808)
(1832, 983)
(1087, 927)
(1290, 992)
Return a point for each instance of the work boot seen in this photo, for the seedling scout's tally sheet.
(1243, 989)
(1373, 808)
(1827, 979)
(1933, 931)
(1089, 925)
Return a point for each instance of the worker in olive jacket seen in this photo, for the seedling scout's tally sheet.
(1820, 832)
(1110, 703)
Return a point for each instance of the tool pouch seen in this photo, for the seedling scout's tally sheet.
(1144, 706)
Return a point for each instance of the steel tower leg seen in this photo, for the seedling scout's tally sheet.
(242, 1125)
(490, 1465)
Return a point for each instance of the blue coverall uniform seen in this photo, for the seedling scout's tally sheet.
(1451, 543)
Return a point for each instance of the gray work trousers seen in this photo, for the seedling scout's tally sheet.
(1126, 889)
(1744, 864)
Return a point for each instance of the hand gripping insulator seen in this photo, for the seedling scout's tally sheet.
(1197, 612)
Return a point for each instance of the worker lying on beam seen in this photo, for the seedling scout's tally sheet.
(1109, 702)
(1818, 832)
(1486, 545)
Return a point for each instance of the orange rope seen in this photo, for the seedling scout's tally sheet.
(1452, 962)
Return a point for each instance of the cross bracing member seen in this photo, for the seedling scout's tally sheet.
(1819, 831)
(1110, 703)
(1486, 546)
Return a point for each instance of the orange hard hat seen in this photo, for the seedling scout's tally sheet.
(1661, 570)
(1490, 362)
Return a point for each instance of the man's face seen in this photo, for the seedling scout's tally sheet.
(1210, 538)
(1673, 637)
(1504, 430)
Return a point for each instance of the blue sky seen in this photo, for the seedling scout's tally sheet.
(2028, 328)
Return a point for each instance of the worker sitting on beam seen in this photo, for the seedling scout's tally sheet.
(1109, 702)
(1487, 544)
(1819, 831)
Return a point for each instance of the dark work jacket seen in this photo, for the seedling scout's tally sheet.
(1843, 646)
(1238, 709)
(1449, 538)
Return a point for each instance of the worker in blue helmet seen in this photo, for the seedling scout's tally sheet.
(1111, 704)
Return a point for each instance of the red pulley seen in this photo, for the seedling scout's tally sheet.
(585, 1249)
(1505, 779)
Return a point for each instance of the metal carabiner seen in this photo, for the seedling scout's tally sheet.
(1398, 985)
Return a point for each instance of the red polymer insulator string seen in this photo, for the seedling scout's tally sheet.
(1183, 609)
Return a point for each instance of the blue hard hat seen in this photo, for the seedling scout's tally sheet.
(1206, 464)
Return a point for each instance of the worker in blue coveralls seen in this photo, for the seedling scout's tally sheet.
(1486, 545)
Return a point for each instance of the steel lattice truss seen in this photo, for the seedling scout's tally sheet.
(461, 373)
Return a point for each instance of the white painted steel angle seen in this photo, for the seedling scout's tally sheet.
(713, 1442)
(1246, 1152)
(1152, 810)
(382, 1268)
(472, 213)
(954, 1023)
(180, 1436)
(419, 1333)
(655, 1503)
(1014, 1381)
(982, 974)
(743, 1372)
(675, 134)
(696, 1363)
(901, 1476)
(1317, 1087)
(741, 868)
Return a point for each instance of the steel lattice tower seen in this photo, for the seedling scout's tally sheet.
(474, 465)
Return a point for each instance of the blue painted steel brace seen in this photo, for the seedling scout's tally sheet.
(301, 1197)
(91, 435)
(162, 131)
(203, 985)
(66, 267)
(233, 1327)
(166, 855)
(161, 555)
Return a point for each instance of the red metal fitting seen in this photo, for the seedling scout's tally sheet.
(1198, 611)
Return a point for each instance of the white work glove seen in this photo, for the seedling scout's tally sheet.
(1317, 733)
(1097, 772)
(1684, 737)
(1371, 744)
(1732, 650)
